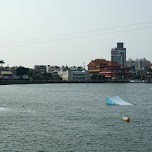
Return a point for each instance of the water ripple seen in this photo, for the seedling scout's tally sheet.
(75, 118)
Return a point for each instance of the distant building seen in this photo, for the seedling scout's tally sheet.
(130, 63)
(118, 54)
(138, 64)
(40, 68)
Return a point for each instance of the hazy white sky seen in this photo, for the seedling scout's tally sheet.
(70, 32)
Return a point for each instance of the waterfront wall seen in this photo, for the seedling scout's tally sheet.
(9, 82)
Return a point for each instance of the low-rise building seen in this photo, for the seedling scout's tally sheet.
(7, 75)
(40, 68)
(78, 75)
(53, 70)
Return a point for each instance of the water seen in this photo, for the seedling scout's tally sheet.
(75, 118)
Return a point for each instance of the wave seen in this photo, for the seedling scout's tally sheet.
(3, 109)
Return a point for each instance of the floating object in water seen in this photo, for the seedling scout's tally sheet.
(127, 119)
(116, 100)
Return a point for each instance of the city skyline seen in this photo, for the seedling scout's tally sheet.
(35, 32)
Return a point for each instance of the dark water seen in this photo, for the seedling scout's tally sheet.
(75, 118)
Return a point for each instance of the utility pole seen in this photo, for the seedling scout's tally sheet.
(84, 65)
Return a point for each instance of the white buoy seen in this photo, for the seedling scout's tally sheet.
(126, 119)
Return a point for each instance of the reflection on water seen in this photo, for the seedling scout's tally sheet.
(75, 117)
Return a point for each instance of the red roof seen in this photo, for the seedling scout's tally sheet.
(113, 64)
(100, 62)
(92, 64)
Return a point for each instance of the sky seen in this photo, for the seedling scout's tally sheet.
(73, 32)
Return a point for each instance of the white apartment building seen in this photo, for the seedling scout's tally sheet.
(53, 69)
(65, 74)
(69, 74)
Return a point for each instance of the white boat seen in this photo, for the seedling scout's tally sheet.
(137, 81)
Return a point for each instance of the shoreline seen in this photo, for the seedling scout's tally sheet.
(11, 82)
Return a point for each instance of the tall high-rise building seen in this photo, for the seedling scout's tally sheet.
(118, 54)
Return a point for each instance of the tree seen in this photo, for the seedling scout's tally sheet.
(101, 77)
(20, 71)
(148, 71)
(30, 73)
(97, 77)
(1, 62)
(47, 76)
(94, 77)
(138, 75)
